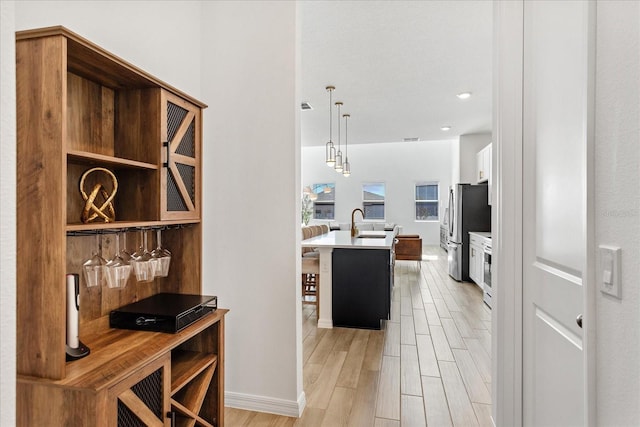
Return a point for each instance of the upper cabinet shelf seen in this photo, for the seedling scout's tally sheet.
(118, 225)
(88, 158)
(89, 60)
(116, 116)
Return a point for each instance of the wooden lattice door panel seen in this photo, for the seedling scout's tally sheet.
(181, 144)
(143, 398)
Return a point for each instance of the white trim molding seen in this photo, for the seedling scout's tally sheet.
(250, 402)
(507, 219)
(589, 274)
(506, 369)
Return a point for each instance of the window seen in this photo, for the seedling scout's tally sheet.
(325, 204)
(373, 200)
(427, 201)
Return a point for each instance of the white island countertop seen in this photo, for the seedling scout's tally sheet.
(343, 239)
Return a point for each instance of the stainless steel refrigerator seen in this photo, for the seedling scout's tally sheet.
(469, 210)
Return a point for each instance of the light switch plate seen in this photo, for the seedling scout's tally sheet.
(609, 272)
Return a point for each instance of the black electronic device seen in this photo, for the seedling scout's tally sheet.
(164, 312)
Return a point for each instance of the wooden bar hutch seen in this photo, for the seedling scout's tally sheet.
(79, 106)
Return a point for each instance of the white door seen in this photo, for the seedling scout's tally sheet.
(555, 124)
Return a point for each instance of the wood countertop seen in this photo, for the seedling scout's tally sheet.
(116, 353)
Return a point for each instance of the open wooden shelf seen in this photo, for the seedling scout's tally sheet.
(86, 58)
(192, 387)
(88, 158)
(127, 224)
(186, 365)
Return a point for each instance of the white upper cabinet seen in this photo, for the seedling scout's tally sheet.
(483, 168)
(483, 162)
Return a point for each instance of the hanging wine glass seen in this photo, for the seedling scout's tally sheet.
(94, 268)
(118, 269)
(162, 257)
(124, 254)
(144, 265)
(153, 262)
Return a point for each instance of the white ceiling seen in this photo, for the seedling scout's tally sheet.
(397, 66)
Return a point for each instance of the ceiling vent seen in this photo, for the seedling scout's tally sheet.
(306, 106)
(411, 139)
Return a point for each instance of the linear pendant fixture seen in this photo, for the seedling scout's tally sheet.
(338, 166)
(330, 157)
(346, 166)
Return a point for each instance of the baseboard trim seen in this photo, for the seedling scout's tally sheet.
(325, 323)
(250, 402)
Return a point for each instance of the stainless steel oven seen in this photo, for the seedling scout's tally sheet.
(486, 274)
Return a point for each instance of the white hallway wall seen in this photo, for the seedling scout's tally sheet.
(249, 53)
(400, 166)
(204, 49)
(617, 133)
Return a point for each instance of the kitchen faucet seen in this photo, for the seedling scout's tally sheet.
(353, 224)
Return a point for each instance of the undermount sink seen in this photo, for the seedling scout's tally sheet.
(371, 235)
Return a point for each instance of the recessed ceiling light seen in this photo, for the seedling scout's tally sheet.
(464, 95)
(445, 128)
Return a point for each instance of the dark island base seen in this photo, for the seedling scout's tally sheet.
(362, 282)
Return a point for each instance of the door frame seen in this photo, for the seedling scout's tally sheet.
(507, 219)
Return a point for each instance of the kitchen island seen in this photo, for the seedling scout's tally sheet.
(356, 277)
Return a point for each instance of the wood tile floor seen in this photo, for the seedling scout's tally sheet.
(431, 364)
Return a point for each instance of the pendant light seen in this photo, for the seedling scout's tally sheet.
(338, 166)
(346, 166)
(331, 150)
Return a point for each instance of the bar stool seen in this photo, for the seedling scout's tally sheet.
(310, 282)
(310, 272)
